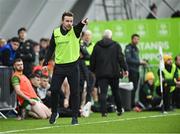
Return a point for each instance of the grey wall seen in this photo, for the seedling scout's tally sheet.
(40, 17)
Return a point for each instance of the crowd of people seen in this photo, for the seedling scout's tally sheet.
(69, 75)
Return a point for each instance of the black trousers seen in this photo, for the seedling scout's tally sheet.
(71, 71)
(176, 98)
(103, 85)
(167, 98)
(133, 77)
(90, 85)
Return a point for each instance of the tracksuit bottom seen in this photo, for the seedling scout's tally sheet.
(103, 85)
(71, 71)
(133, 77)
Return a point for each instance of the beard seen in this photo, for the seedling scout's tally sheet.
(20, 69)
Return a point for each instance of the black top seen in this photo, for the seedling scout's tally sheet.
(132, 57)
(107, 59)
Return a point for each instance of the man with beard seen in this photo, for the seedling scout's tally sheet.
(26, 95)
(65, 44)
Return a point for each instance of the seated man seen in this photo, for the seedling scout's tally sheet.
(147, 98)
(25, 93)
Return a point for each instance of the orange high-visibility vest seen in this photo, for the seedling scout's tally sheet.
(25, 87)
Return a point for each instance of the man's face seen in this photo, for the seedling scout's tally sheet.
(22, 35)
(15, 45)
(135, 40)
(150, 82)
(169, 62)
(67, 22)
(87, 37)
(36, 81)
(44, 44)
(178, 61)
(18, 66)
(44, 82)
(36, 49)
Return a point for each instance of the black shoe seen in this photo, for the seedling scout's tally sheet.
(74, 121)
(104, 114)
(53, 118)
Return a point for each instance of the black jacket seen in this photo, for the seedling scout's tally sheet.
(107, 59)
(132, 57)
(27, 54)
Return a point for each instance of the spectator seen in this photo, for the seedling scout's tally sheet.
(105, 62)
(8, 52)
(153, 9)
(177, 91)
(44, 44)
(43, 90)
(176, 14)
(26, 95)
(2, 42)
(22, 33)
(35, 81)
(26, 53)
(36, 48)
(169, 74)
(147, 98)
(133, 61)
(84, 75)
(88, 46)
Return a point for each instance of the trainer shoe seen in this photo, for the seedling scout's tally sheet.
(104, 114)
(53, 118)
(74, 121)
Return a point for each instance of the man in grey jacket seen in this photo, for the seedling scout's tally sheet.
(133, 61)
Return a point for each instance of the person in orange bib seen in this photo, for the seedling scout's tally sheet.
(27, 97)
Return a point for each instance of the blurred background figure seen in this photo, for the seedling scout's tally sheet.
(44, 44)
(148, 100)
(88, 46)
(8, 52)
(2, 42)
(105, 62)
(177, 91)
(25, 51)
(22, 34)
(133, 62)
(36, 48)
(153, 9)
(170, 76)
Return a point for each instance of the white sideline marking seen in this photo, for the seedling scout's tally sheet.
(90, 123)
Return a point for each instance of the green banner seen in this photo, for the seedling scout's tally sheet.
(153, 33)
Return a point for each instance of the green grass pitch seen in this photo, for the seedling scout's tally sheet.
(129, 122)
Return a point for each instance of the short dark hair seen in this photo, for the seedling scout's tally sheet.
(153, 6)
(70, 14)
(34, 75)
(15, 39)
(44, 39)
(21, 29)
(44, 76)
(134, 35)
(17, 60)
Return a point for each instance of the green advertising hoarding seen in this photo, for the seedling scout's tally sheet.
(153, 33)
